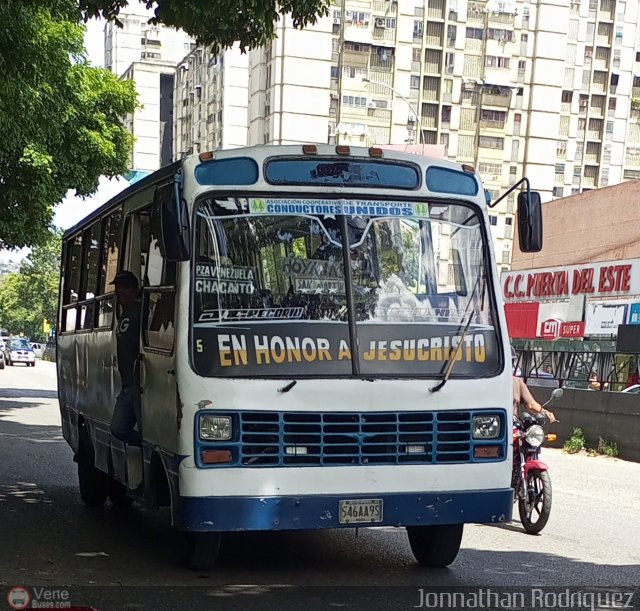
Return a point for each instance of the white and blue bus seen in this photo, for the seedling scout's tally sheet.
(322, 345)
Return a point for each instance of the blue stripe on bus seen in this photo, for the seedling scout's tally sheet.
(224, 514)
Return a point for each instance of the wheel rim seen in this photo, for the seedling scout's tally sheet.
(534, 498)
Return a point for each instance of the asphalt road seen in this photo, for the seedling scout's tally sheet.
(48, 538)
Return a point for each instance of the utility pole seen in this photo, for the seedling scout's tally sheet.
(340, 63)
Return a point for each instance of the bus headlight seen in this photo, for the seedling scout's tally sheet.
(486, 427)
(215, 428)
(534, 436)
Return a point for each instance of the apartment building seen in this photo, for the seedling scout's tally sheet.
(545, 90)
(152, 122)
(211, 101)
(147, 54)
(139, 41)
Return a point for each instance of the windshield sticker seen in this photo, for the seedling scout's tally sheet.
(333, 207)
(234, 315)
(233, 280)
(311, 268)
(319, 286)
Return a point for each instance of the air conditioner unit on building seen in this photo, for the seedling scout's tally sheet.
(411, 119)
(380, 23)
(335, 96)
(336, 20)
(371, 106)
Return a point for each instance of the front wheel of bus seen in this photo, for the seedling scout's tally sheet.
(202, 550)
(435, 546)
(93, 483)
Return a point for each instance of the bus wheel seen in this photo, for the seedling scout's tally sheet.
(118, 495)
(201, 550)
(93, 483)
(435, 546)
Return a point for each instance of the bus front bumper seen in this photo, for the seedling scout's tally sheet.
(224, 514)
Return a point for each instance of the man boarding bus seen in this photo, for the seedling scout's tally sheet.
(322, 345)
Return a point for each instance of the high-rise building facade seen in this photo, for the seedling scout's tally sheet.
(540, 89)
(147, 54)
(211, 101)
(139, 41)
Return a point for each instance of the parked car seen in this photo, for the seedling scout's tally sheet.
(1, 359)
(633, 390)
(18, 350)
(38, 349)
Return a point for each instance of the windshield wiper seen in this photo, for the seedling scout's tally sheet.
(453, 356)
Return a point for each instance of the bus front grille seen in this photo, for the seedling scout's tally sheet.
(354, 438)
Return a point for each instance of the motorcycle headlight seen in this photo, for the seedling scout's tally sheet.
(486, 427)
(534, 436)
(215, 428)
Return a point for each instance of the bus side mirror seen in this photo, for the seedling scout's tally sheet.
(174, 219)
(530, 221)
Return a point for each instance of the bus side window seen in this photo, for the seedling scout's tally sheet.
(89, 282)
(109, 259)
(71, 283)
(158, 286)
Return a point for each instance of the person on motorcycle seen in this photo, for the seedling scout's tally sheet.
(522, 396)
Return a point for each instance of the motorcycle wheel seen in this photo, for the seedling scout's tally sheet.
(535, 505)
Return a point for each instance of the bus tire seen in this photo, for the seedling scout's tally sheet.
(118, 495)
(93, 483)
(201, 550)
(435, 546)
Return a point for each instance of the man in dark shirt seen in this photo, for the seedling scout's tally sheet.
(125, 413)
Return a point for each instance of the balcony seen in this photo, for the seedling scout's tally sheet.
(432, 68)
(565, 107)
(607, 10)
(496, 100)
(501, 18)
(379, 115)
(358, 60)
(437, 11)
(473, 44)
(389, 9)
(384, 35)
(495, 125)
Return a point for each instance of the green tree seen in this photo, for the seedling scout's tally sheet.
(219, 23)
(60, 118)
(30, 297)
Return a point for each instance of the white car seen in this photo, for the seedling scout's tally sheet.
(38, 349)
(19, 350)
(634, 390)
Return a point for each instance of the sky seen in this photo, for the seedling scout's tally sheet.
(72, 209)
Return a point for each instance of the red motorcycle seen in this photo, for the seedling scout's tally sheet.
(530, 480)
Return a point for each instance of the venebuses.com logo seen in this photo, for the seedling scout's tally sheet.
(18, 598)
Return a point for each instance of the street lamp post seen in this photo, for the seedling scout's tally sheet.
(408, 103)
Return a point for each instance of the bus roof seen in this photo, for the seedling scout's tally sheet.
(262, 152)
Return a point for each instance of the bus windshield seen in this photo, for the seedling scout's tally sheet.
(270, 292)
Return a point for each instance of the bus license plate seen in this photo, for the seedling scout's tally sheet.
(360, 511)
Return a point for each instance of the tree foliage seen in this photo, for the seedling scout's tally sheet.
(60, 118)
(219, 23)
(30, 296)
